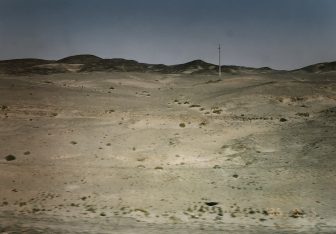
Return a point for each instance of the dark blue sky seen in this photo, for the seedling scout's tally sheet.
(277, 33)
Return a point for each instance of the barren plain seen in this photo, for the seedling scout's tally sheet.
(134, 152)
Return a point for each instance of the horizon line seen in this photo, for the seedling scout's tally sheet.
(56, 60)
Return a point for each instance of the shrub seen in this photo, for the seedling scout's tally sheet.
(10, 157)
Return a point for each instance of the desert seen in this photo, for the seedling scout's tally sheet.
(115, 146)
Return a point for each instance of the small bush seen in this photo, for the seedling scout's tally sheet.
(217, 111)
(10, 157)
(283, 120)
(4, 107)
(211, 203)
(191, 106)
(306, 114)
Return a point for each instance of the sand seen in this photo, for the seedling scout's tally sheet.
(151, 153)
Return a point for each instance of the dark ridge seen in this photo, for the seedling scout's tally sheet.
(116, 64)
(192, 67)
(26, 62)
(319, 67)
(195, 64)
(264, 69)
(80, 59)
(21, 66)
(92, 63)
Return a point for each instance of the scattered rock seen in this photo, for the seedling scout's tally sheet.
(297, 99)
(145, 212)
(296, 213)
(235, 176)
(203, 123)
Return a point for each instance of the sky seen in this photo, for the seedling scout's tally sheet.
(282, 34)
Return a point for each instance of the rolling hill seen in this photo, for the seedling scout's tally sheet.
(92, 63)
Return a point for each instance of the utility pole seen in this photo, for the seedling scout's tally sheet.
(219, 61)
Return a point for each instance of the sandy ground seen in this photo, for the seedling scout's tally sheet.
(153, 153)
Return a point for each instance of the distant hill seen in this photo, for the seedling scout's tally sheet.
(92, 63)
(21, 66)
(117, 64)
(319, 67)
(80, 59)
(193, 67)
